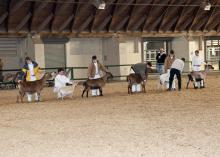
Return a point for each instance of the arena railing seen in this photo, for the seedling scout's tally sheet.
(119, 71)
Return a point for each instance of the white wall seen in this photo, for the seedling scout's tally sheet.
(79, 52)
(180, 46)
(129, 53)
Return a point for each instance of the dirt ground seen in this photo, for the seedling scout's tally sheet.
(154, 124)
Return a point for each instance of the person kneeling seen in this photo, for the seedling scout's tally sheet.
(61, 80)
(176, 69)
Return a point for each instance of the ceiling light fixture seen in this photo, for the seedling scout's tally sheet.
(100, 4)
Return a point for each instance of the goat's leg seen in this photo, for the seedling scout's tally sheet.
(143, 88)
(87, 93)
(37, 96)
(83, 92)
(100, 89)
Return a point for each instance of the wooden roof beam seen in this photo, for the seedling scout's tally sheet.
(86, 23)
(104, 23)
(121, 24)
(18, 4)
(66, 23)
(45, 22)
(139, 23)
(3, 17)
(23, 22)
(182, 16)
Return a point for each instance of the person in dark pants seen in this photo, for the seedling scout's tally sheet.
(161, 56)
(176, 69)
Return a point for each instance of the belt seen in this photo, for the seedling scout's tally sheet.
(196, 65)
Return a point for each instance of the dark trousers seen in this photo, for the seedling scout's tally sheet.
(174, 72)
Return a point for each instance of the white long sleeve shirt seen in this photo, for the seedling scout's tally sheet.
(196, 63)
(178, 64)
(60, 81)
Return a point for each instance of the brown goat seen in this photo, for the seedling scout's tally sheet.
(135, 79)
(96, 84)
(32, 87)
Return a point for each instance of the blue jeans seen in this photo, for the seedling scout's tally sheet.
(160, 68)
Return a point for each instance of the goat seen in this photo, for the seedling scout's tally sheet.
(96, 83)
(164, 80)
(32, 87)
(67, 90)
(135, 79)
(198, 76)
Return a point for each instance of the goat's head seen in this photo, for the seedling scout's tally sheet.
(48, 76)
(209, 67)
(109, 75)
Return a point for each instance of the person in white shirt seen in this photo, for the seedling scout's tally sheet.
(176, 69)
(61, 80)
(196, 67)
(197, 62)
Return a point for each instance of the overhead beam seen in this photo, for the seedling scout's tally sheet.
(23, 21)
(196, 18)
(122, 23)
(66, 23)
(40, 7)
(86, 23)
(45, 22)
(139, 23)
(182, 16)
(3, 17)
(169, 24)
(18, 4)
(104, 23)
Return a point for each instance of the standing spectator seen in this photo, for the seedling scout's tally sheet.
(94, 70)
(30, 72)
(167, 65)
(176, 69)
(196, 67)
(161, 56)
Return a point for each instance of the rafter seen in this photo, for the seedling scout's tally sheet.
(121, 24)
(45, 22)
(23, 22)
(104, 23)
(18, 4)
(102, 17)
(120, 12)
(139, 23)
(40, 7)
(170, 24)
(196, 18)
(168, 13)
(86, 23)
(3, 17)
(182, 15)
(66, 23)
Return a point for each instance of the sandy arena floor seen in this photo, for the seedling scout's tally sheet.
(155, 124)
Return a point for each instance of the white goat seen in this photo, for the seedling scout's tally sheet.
(67, 90)
(164, 81)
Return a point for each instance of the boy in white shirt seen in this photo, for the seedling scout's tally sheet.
(176, 69)
(61, 80)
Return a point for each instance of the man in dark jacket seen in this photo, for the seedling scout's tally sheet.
(161, 56)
